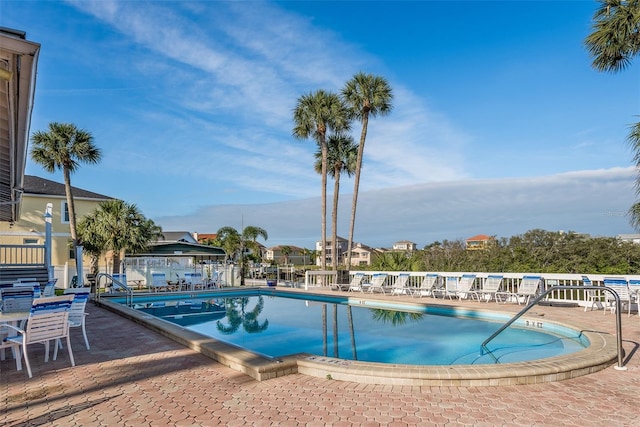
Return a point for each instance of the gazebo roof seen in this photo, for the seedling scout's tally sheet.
(183, 249)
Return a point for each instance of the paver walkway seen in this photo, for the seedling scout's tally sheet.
(135, 377)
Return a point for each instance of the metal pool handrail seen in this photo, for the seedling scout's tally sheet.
(128, 291)
(484, 350)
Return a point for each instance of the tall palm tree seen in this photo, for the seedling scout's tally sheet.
(614, 42)
(316, 114)
(342, 154)
(64, 147)
(366, 96)
(119, 227)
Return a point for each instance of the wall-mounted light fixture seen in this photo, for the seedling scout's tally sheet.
(5, 74)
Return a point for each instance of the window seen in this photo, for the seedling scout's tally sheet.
(72, 253)
(64, 213)
(29, 241)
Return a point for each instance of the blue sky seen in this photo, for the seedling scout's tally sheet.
(499, 125)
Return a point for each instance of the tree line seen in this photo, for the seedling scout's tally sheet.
(536, 250)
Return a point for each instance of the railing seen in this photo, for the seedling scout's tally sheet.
(22, 255)
(567, 288)
(314, 278)
(485, 350)
(114, 283)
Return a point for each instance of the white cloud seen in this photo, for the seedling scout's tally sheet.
(593, 202)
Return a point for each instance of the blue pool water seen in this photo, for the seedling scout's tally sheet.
(276, 326)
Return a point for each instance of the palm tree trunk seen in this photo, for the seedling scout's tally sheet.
(356, 185)
(353, 335)
(72, 211)
(323, 261)
(334, 220)
(324, 329)
(335, 331)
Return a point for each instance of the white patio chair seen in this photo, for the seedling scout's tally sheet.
(50, 288)
(77, 312)
(48, 321)
(592, 297)
(34, 285)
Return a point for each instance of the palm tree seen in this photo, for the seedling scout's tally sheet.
(228, 239)
(341, 157)
(316, 114)
(365, 95)
(285, 251)
(250, 236)
(614, 42)
(237, 314)
(119, 227)
(64, 147)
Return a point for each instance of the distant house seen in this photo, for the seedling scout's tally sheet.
(404, 245)
(633, 238)
(479, 242)
(296, 255)
(203, 237)
(363, 254)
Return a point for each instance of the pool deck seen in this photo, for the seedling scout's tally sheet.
(133, 376)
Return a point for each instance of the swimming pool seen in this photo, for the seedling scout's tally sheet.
(277, 326)
(376, 317)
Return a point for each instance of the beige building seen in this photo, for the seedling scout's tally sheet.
(296, 256)
(363, 254)
(404, 245)
(29, 229)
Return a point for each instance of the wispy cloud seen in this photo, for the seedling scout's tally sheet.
(239, 71)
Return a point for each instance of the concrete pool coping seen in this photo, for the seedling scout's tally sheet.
(601, 353)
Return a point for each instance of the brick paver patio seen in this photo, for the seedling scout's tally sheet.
(135, 377)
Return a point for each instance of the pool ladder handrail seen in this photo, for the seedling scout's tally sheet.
(484, 350)
(114, 282)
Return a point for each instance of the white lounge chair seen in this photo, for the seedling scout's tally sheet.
(119, 282)
(459, 287)
(197, 282)
(355, 285)
(528, 287)
(621, 287)
(158, 282)
(429, 284)
(401, 285)
(377, 283)
(48, 321)
(491, 287)
(465, 287)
